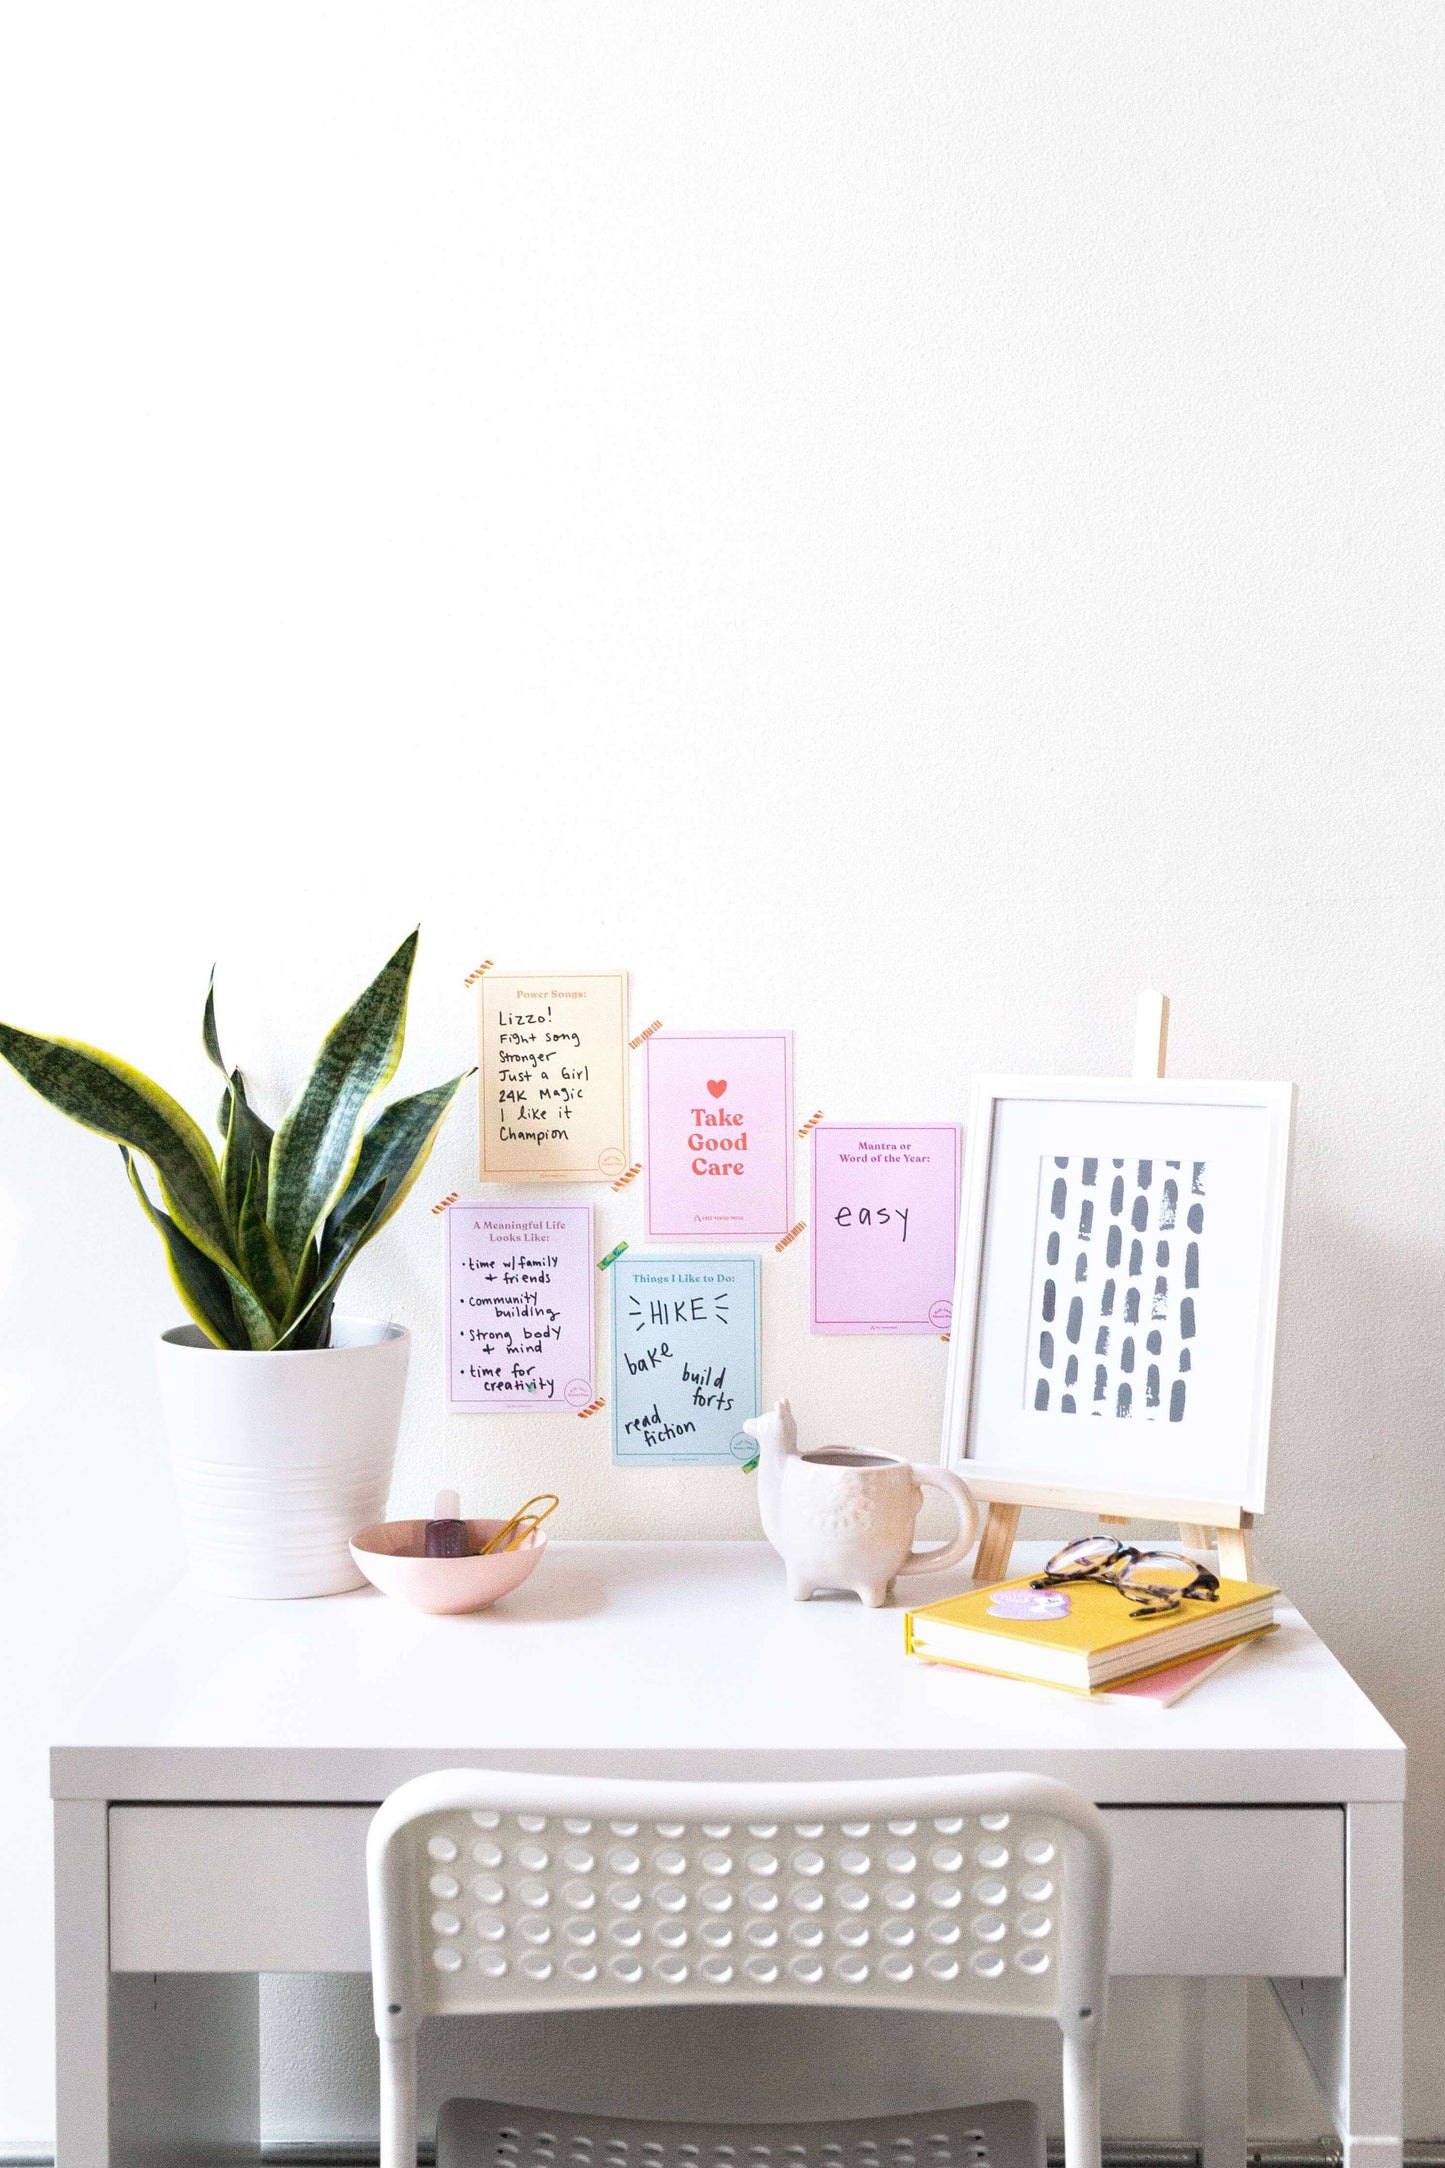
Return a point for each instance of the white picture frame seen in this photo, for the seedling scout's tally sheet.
(1198, 1454)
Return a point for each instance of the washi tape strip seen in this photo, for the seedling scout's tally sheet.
(583, 1413)
(811, 1123)
(611, 1257)
(630, 1176)
(480, 973)
(443, 1202)
(655, 1025)
(791, 1235)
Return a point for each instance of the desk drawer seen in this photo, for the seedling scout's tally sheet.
(1206, 1891)
(1216, 1891)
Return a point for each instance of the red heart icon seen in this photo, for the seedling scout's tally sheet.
(717, 1085)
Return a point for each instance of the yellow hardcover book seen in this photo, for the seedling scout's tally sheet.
(1094, 1643)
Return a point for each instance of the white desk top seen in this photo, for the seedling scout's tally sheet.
(675, 1659)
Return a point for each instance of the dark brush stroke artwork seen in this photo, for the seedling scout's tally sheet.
(1143, 1208)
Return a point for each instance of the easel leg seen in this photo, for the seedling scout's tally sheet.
(1195, 1536)
(1235, 1561)
(996, 1543)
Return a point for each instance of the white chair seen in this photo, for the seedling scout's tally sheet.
(497, 1891)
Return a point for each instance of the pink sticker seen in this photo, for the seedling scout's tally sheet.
(885, 1226)
(1030, 1603)
(719, 1150)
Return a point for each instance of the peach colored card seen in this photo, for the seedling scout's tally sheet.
(719, 1150)
(553, 1076)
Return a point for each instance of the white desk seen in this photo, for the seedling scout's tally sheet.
(211, 1803)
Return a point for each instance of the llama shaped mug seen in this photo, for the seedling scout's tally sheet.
(841, 1519)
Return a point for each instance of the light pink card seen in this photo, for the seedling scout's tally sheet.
(885, 1226)
(519, 1306)
(719, 1149)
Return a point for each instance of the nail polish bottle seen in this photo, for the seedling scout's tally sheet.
(447, 1535)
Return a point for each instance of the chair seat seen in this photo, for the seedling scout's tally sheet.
(486, 2134)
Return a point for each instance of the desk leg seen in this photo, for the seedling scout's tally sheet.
(150, 2068)
(1352, 2029)
(1219, 2019)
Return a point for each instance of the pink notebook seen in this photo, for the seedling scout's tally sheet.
(1163, 1688)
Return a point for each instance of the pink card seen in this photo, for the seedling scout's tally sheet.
(519, 1306)
(885, 1226)
(719, 1149)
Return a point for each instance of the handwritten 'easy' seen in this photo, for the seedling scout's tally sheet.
(873, 1216)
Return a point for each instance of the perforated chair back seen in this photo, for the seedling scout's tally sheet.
(498, 1891)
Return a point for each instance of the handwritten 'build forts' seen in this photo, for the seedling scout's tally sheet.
(553, 1075)
(519, 1306)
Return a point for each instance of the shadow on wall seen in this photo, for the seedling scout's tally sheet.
(1356, 1527)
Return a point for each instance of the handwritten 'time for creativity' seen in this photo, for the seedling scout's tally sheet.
(553, 1075)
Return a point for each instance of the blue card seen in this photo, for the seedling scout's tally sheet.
(684, 1360)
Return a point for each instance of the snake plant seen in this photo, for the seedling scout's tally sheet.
(258, 1239)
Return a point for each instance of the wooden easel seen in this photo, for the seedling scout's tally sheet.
(1151, 1047)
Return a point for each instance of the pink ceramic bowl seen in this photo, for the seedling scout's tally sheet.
(390, 1555)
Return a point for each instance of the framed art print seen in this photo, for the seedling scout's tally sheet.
(1117, 1292)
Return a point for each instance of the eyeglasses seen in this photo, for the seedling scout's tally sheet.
(1133, 1574)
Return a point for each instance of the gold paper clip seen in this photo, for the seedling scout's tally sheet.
(524, 1523)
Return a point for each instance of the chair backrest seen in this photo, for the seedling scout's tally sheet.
(492, 1890)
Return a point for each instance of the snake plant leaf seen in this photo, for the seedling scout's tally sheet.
(317, 1144)
(255, 1134)
(210, 1037)
(354, 1230)
(311, 1331)
(261, 1259)
(248, 1146)
(200, 1284)
(393, 1153)
(119, 1102)
(217, 1299)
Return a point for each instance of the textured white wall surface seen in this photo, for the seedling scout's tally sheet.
(908, 522)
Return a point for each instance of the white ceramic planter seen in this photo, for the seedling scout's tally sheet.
(280, 1459)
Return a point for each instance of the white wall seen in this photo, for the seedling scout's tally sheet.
(904, 521)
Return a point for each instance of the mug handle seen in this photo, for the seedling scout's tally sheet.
(964, 1504)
